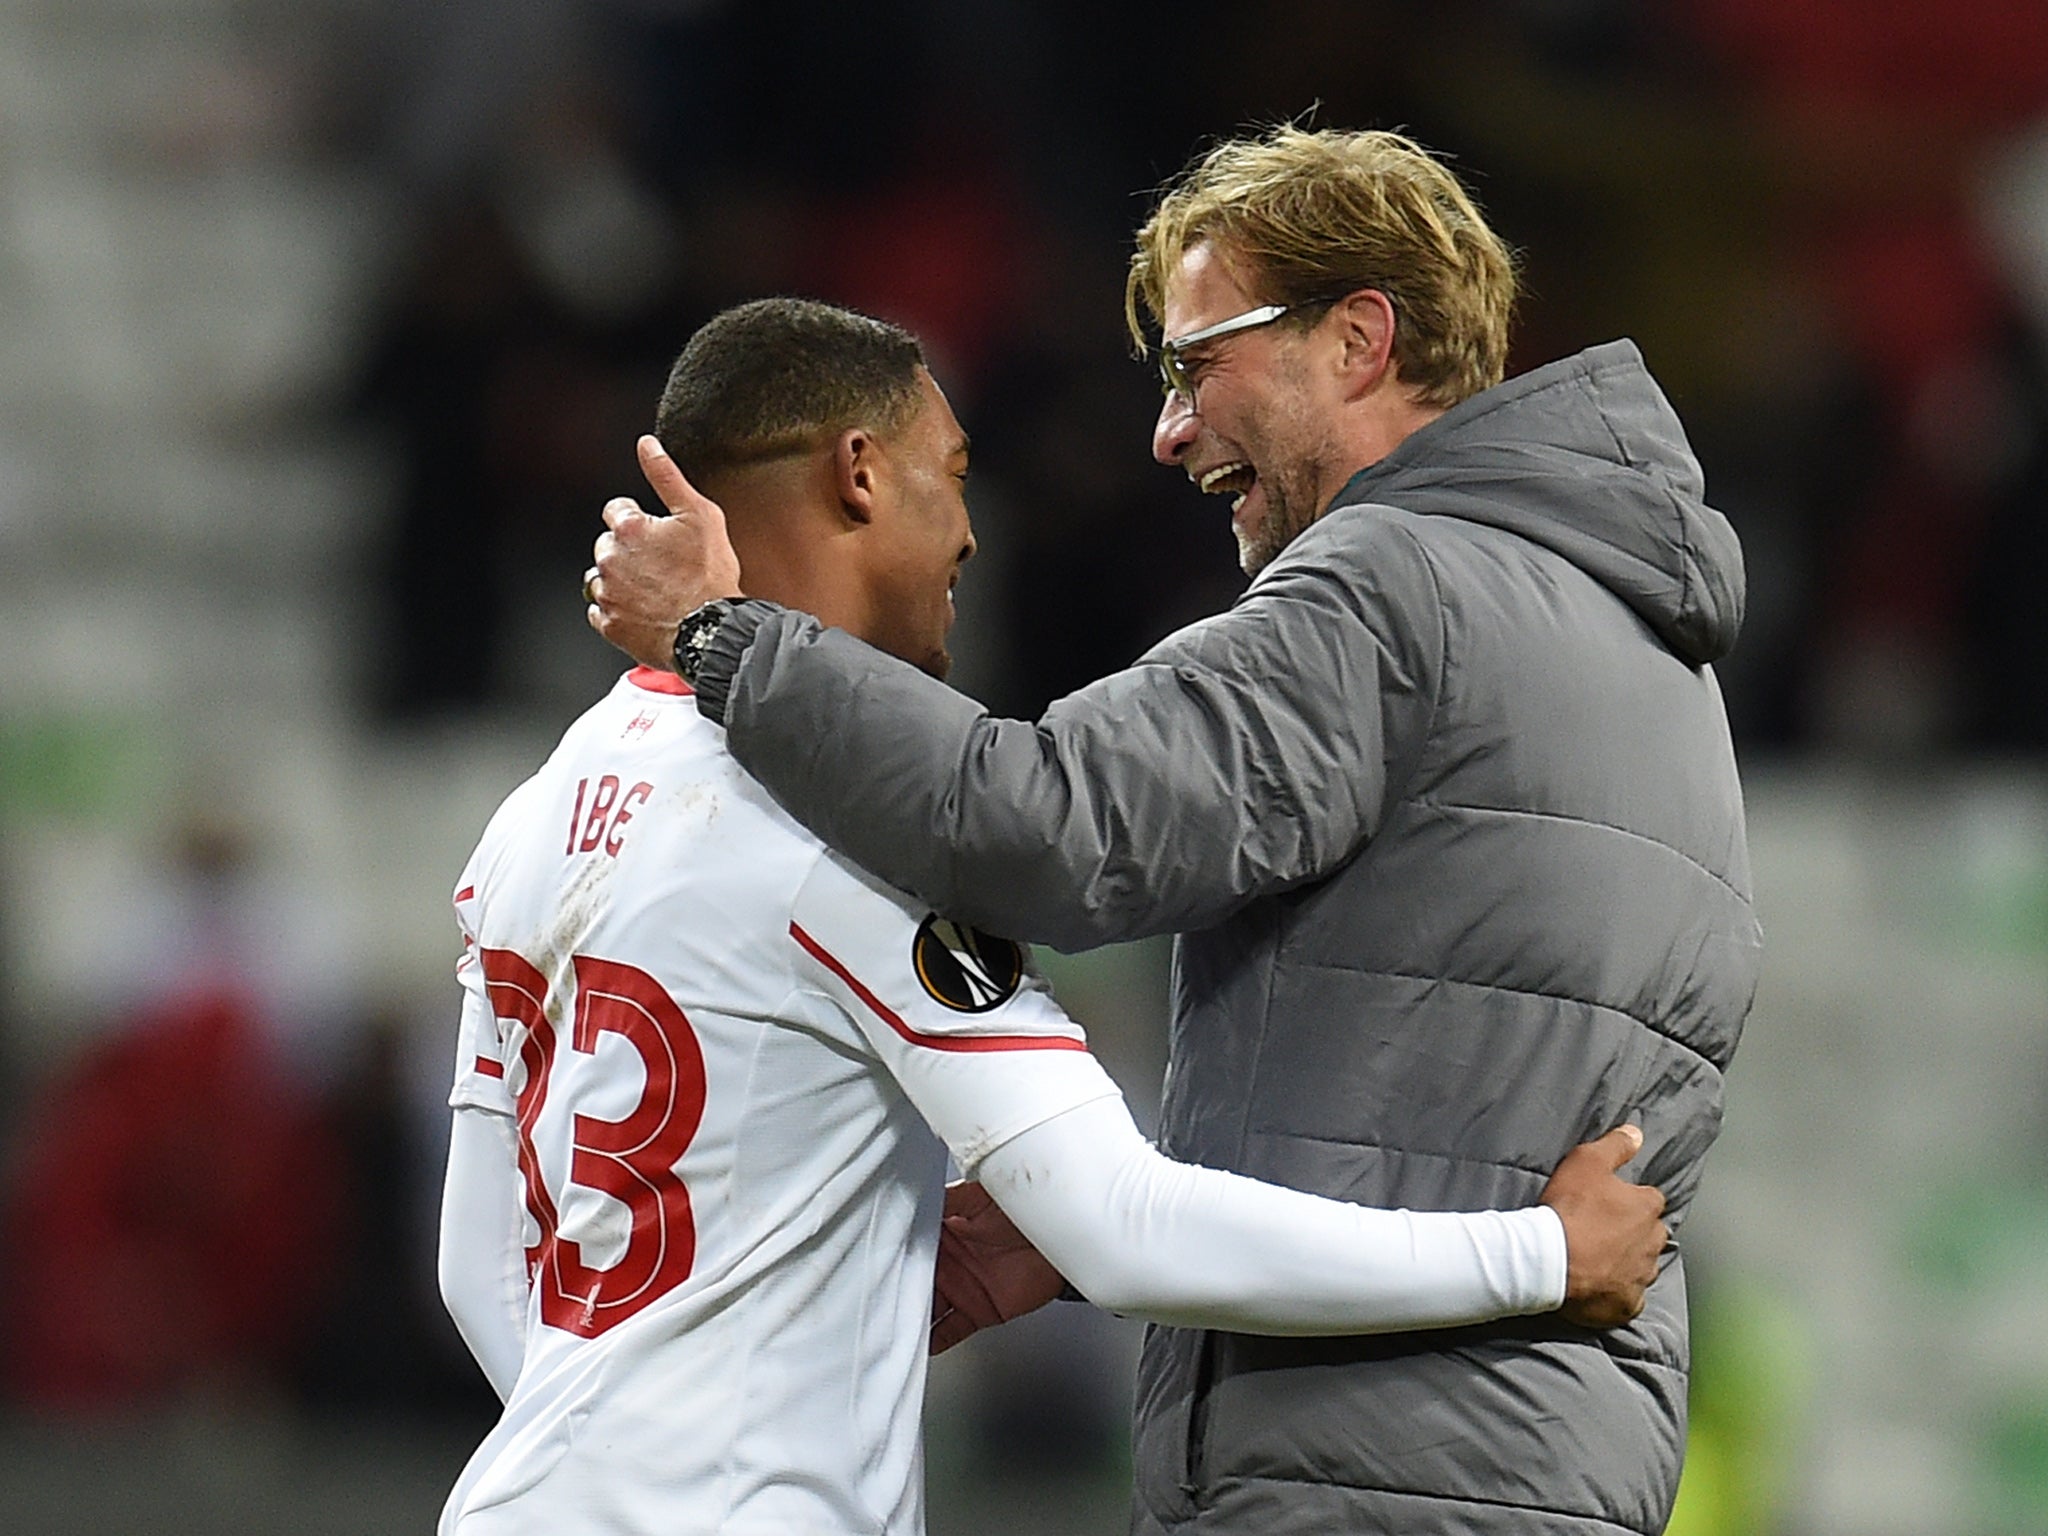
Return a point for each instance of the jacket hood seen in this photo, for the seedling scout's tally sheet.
(1586, 457)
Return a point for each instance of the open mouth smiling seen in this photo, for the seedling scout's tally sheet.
(1234, 480)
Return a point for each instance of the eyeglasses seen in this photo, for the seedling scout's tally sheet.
(1173, 373)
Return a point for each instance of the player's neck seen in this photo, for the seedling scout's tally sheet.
(809, 569)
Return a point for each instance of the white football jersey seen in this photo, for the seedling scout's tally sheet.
(715, 1039)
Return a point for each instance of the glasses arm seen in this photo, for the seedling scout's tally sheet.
(1265, 314)
(1173, 372)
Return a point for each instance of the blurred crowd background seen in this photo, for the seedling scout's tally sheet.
(326, 327)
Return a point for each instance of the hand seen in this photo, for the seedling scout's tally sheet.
(1613, 1230)
(652, 572)
(988, 1271)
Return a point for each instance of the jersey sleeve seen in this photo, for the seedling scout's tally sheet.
(962, 1019)
(482, 1057)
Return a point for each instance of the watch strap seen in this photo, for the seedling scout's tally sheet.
(720, 642)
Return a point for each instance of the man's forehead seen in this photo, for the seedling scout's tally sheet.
(1203, 288)
(937, 413)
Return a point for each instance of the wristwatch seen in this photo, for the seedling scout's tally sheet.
(695, 634)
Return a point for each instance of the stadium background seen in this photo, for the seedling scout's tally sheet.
(325, 329)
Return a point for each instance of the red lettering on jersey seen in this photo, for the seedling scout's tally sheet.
(609, 813)
(601, 805)
(637, 795)
(632, 1160)
(576, 815)
(518, 993)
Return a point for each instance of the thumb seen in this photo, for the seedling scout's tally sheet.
(1617, 1146)
(669, 483)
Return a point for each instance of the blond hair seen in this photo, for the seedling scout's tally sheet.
(1305, 216)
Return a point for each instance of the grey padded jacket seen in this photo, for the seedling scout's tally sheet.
(1445, 811)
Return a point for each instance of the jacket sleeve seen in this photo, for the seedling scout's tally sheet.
(1247, 753)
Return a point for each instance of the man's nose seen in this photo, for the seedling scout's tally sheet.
(1176, 428)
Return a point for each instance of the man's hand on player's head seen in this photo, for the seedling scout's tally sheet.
(651, 571)
(1613, 1230)
(988, 1272)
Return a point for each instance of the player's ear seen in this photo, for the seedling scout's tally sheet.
(856, 472)
(1364, 323)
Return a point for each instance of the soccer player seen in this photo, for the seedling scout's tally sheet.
(694, 1188)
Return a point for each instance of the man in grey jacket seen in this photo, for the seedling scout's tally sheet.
(1443, 809)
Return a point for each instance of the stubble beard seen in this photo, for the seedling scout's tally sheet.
(1288, 514)
(1292, 503)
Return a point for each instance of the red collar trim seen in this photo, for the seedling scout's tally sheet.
(654, 680)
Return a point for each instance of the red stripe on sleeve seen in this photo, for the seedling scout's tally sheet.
(894, 1020)
(490, 1067)
(465, 893)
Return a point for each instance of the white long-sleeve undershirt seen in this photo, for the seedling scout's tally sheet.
(482, 1263)
(1138, 1233)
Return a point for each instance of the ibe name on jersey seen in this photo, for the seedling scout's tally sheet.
(605, 826)
(967, 970)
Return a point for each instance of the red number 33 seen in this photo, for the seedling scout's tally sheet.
(632, 1160)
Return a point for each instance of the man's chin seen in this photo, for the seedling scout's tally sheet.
(1256, 550)
(1260, 546)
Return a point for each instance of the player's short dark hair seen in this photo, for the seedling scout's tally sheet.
(777, 376)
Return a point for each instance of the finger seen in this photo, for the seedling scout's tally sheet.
(1617, 1146)
(676, 493)
(965, 1197)
(621, 509)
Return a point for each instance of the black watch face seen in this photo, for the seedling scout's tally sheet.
(693, 641)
